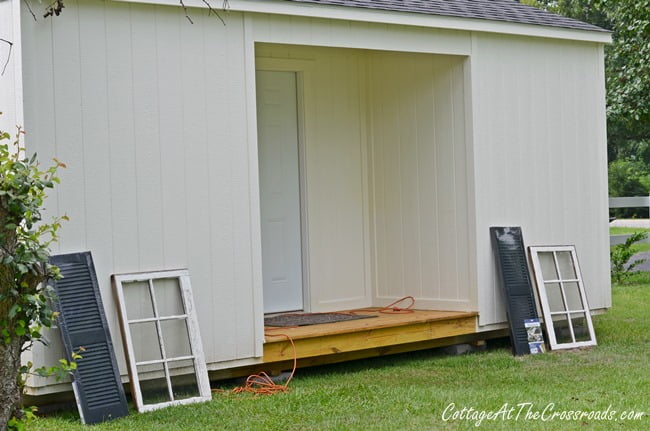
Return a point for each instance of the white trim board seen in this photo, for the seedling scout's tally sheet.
(394, 17)
(253, 189)
(11, 83)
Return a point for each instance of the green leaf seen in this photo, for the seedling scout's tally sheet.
(14, 310)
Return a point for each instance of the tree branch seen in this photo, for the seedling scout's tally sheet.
(11, 45)
(211, 10)
(225, 6)
(29, 8)
(186, 14)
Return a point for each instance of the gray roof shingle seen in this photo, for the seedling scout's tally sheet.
(497, 10)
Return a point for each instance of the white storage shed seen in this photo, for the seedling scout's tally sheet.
(312, 155)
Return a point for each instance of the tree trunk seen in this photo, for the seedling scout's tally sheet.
(10, 392)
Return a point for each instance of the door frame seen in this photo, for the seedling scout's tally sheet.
(302, 69)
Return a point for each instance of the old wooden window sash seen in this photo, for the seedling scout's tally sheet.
(162, 341)
(562, 296)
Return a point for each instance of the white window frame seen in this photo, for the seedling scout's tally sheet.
(189, 316)
(543, 297)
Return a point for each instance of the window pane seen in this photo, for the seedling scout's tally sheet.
(145, 341)
(168, 297)
(580, 328)
(183, 377)
(567, 271)
(176, 338)
(554, 295)
(561, 329)
(548, 266)
(137, 300)
(153, 384)
(572, 293)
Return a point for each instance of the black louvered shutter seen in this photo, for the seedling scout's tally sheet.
(99, 390)
(512, 266)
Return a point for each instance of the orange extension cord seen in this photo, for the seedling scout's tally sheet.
(262, 384)
(393, 309)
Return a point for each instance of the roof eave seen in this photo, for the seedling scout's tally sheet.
(399, 18)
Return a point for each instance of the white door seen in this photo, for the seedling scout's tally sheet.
(277, 130)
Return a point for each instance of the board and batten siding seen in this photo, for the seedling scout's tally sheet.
(540, 159)
(10, 67)
(421, 207)
(149, 114)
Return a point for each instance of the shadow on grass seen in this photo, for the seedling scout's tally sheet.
(396, 360)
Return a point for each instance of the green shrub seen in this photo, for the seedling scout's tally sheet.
(621, 255)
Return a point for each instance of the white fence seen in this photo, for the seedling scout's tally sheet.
(628, 202)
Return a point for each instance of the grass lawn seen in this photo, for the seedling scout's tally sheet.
(411, 391)
(626, 230)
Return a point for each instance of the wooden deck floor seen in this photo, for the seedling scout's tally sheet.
(386, 333)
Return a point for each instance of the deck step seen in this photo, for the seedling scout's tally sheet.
(360, 335)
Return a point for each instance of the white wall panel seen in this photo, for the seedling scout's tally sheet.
(420, 186)
(540, 155)
(121, 129)
(10, 67)
(149, 113)
(148, 174)
(95, 129)
(172, 155)
(68, 130)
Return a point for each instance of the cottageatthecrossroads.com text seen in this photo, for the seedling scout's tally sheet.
(527, 411)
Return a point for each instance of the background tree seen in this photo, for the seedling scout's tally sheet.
(24, 252)
(627, 71)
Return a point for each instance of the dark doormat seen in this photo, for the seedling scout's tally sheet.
(305, 319)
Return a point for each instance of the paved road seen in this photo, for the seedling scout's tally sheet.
(645, 266)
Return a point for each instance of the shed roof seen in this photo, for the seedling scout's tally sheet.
(497, 10)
